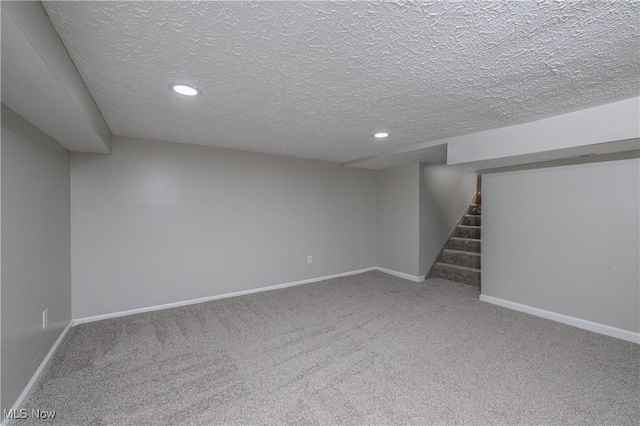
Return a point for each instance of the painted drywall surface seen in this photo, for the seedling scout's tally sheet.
(41, 82)
(398, 218)
(445, 194)
(1, 406)
(585, 127)
(159, 222)
(565, 239)
(35, 249)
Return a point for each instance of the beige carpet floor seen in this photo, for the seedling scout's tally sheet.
(365, 349)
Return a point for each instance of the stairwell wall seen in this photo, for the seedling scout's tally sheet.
(565, 240)
(445, 194)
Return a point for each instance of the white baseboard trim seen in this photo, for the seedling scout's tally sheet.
(28, 390)
(77, 321)
(217, 297)
(414, 278)
(565, 319)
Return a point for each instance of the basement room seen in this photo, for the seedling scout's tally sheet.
(320, 212)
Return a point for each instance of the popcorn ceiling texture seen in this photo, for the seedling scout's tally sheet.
(317, 79)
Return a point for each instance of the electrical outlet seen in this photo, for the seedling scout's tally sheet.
(309, 259)
(45, 318)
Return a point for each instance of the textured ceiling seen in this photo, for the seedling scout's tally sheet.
(317, 79)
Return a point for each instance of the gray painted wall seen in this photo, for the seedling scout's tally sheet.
(159, 222)
(1, 406)
(35, 249)
(398, 219)
(445, 194)
(565, 239)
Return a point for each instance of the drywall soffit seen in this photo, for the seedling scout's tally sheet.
(40, 81)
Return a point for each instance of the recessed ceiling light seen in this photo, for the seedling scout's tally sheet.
(381, 135)
(185, 89)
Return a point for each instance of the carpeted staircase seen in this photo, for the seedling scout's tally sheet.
(459, 259)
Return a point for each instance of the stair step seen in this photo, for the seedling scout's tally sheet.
(471, 220)
(461, 258)
(465, 231)
(463, 244)
(474, 209)
(461, 274)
